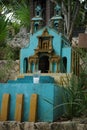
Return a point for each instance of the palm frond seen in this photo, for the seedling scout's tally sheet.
(23, 14)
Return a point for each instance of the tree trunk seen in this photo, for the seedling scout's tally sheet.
(70, 12)
(75, 13)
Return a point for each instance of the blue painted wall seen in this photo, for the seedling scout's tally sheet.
(66, 52)
(60, 45)
(49, 96)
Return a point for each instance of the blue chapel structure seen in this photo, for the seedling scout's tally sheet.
(48, 49)
(50, 52)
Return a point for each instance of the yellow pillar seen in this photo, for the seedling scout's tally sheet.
(19, 107)
(5, 107)
(33, 108)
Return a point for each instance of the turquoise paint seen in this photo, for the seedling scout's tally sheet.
(56, 41)
(29, 50)
(29, 79)
(59, 41)
(66, 52)
(47, 94)
(60, 45)
(54, 68)
(58, 107)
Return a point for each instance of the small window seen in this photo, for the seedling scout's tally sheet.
(64, 65)
(37, 13)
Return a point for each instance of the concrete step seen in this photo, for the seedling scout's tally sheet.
(62, 79)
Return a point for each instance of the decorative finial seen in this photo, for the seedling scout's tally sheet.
(38, 11)
(57, 10)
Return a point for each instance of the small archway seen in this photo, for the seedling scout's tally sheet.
(64, 67)
(25, 65)
(44, 64)
(36, 26)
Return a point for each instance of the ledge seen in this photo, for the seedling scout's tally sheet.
(67, 125)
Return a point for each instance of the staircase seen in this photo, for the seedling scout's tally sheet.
(61, 79)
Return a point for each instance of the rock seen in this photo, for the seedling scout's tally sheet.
(83, 121)
(29, 126)
(67, 125)
(41, 126)
(8, 72)
(20, 40)
(81, 127)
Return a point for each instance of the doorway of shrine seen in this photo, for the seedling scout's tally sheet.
(44, 64)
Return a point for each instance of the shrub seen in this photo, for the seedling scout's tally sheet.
(5, 70)
(75, 94)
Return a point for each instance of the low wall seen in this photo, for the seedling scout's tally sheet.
(8, 70)
(49, 97)
(69, 125)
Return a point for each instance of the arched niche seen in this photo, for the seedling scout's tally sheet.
(25, 65)
(64, 64)
(44, 64)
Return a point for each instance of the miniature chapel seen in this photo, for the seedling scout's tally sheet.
(48, 49)
(50, 52)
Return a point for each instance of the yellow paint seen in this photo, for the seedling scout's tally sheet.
(20, 76)
(19, 107)
(5, 107)
(33, 108)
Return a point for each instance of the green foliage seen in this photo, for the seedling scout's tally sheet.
(75, 98)
(23, 14)
(3, 30)
(5, 71)
(9, 53)
(83, 57)
(81, 19)
(16, 27)
(75, 94)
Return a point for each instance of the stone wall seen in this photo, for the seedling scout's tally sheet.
(69, 125)
(15, 69)
(8, 70)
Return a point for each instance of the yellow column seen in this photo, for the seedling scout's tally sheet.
(19, 107)
(33, 108)
(5, 107)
